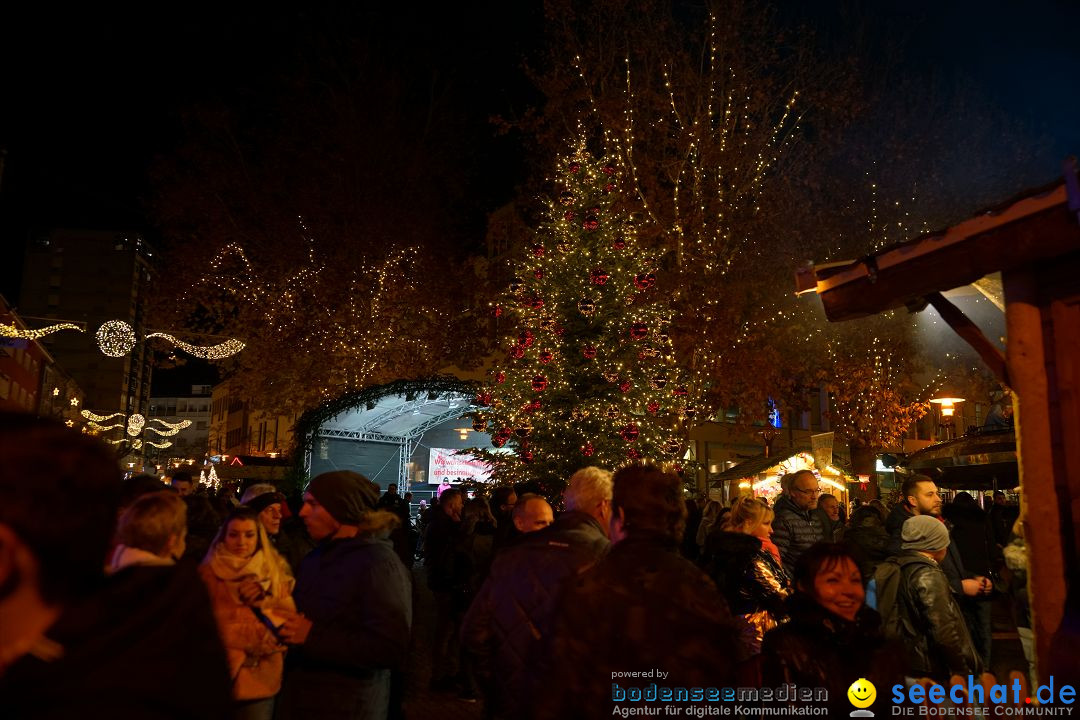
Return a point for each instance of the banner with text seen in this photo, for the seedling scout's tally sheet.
(447, 464)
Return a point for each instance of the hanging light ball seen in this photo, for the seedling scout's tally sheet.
(135, 424)
(644, 281)
(589, 352)
(116, 338)
(587, 449)
(639, 331)
(500, 377)
(599, 276)
(658, 382)
(630, 432)
(527, 456)
(586, 307)
(539, 383)
(546, 356)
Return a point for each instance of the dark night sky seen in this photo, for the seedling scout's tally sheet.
(90, 96)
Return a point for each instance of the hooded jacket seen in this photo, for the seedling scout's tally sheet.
(794, 530)
(513, 612)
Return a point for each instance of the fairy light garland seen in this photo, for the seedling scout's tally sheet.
(90, 415)
(214, 352)
(172, 425)
(115, 338)
(135, 424)
(34, 334)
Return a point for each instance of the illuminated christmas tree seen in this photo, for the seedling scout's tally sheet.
(589, 377)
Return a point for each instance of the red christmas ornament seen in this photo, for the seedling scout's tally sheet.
(545, 356)
(680, 391)
(498, 311)
(538, 250)
(639, 331)
(599, 276)
(499, 440)
(587, 449)
(608, 169)
(526, 338)
(535, 405)
(517, 352)
(609, 187)
(633, 454)
(625, 386)
(500, 377)
(619, 243)
(539, 383)
(527, 456)
(537, 303)
(539, 274)
(591, 222)
(559, 331)
(589, 352)
(658, 382)
(644, 281)
(629, 432)
(568, 215)
(653, 407)
(575, 166)
(483, 398)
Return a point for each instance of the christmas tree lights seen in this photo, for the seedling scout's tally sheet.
(589, 375)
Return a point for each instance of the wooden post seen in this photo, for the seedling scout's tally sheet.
(1048, 531)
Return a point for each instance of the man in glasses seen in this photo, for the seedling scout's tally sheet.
(796, 526)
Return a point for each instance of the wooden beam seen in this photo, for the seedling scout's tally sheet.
(970, 332)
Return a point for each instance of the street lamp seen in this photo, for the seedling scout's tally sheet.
(947, 405)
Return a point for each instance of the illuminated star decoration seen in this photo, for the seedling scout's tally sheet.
(33, 334)
(116, 339)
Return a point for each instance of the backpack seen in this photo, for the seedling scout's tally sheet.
(884, 587)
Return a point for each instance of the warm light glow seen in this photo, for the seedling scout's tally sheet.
(213, 352)
(135, 424)
(30, 334)
(116, 338)
(99, 418)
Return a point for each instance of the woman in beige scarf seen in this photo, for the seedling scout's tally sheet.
(249, 583)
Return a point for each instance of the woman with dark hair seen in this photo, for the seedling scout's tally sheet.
(833, 638)
(249, 584)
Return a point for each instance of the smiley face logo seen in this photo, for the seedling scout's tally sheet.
(862, 693)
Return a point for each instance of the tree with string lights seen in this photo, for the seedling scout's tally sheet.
(589, 375)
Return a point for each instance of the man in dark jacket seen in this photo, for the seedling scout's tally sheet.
(448, 573)
(643, 606)
(72, 642)
(973, 537)
(354, 606)
(919, 496)
(796, 526)
(514, 610)
(925, 616)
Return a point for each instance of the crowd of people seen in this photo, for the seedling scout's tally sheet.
(143, 599)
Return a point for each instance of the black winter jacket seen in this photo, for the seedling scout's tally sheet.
(358, 596)
(643, 606)
(794, 530)
(867, 539)
(819, 649)
(513, 613)
(930, 624)
(952, 566)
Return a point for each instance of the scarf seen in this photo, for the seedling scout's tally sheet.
(235, 570)
(769, 545)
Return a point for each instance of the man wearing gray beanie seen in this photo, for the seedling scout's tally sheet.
(354, 603)
(924, 614)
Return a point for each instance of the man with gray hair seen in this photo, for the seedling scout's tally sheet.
(513, 612)
(796, 526)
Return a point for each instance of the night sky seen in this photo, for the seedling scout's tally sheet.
(91, 96)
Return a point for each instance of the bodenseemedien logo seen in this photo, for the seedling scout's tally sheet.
(862, 694)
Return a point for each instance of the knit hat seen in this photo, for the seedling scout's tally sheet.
(924, 532)
(265, 500)
(346, 495)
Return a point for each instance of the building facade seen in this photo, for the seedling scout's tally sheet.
(236, 428)
(193, 441)
(90, 277)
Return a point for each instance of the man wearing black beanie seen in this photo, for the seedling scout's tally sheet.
(354, 606)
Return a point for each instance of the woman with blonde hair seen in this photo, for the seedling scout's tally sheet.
(745, 564)
(249, 585)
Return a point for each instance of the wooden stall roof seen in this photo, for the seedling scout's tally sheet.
(906, 273)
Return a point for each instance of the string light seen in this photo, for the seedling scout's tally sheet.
(116, 338)
(160, 445)
(214, 352)
(135, 424)
(173, 426)
(33, 334)
(89, 415)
